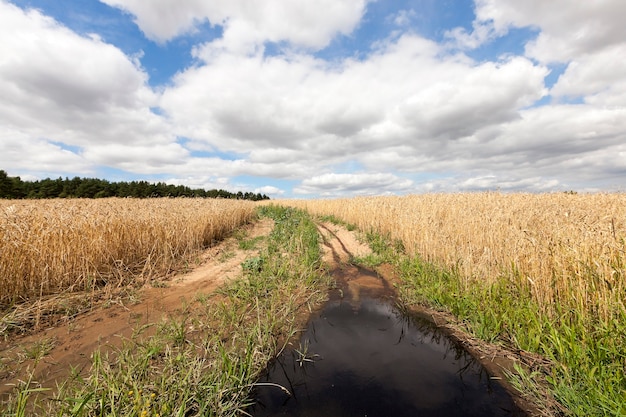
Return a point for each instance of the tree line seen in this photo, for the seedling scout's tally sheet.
(15, 188)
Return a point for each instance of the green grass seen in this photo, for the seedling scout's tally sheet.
(38, 349)
(245, 242)
(205, 361)
(586, 374)
(335, 220)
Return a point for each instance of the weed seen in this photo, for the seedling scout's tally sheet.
(303, 355)
(226, 255)
(250, 244)
(39, 349)
(19, 406)
(254, 264)
(157, 283)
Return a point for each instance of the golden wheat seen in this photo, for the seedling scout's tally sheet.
(565, 248)
(49, 246)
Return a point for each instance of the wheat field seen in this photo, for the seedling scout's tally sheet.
(52, 246)
(565, 248)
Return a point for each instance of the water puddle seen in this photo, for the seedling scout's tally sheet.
(360, 357)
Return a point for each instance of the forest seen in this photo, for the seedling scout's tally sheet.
(15, 188)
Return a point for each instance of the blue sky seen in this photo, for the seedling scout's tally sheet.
(334, 98)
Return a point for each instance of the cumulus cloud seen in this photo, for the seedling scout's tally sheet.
(302, 23)
(598, 78)
(482, 32)
(19, 150)
(270, 190)
(56, 85)
(505, 183)
(566, 30)
(409, 114)
(294, 115)
(127, 157)
(473, 98)
(581, 142)
(403, 17)
(207, 182)
(336, 185)
(299, 106)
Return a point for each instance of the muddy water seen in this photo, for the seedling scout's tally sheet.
(361, 357)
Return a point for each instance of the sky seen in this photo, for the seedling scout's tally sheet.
(317, 99)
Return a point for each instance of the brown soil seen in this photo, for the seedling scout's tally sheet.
(71, 342)
(340, 247)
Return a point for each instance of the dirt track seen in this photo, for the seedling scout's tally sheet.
(107, 325)
(72, 342)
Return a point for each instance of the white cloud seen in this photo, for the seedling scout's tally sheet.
(294, 116)
(567, 29)
(404, 17)
(286, 106)
(474, 98)
(137, 158)
(567, 145)
(200, 181)
(80, 91)
(18, 150)
(301, 23)
(429, 114)
(336, 185)
(492, 183)
(599, 77)
(481, 33)
(270, 190)
(548, 147)
(44, 61)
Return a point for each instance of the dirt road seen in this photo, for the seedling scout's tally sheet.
(68, 345)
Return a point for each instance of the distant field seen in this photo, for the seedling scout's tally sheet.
(51, 246)
(565, 248)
